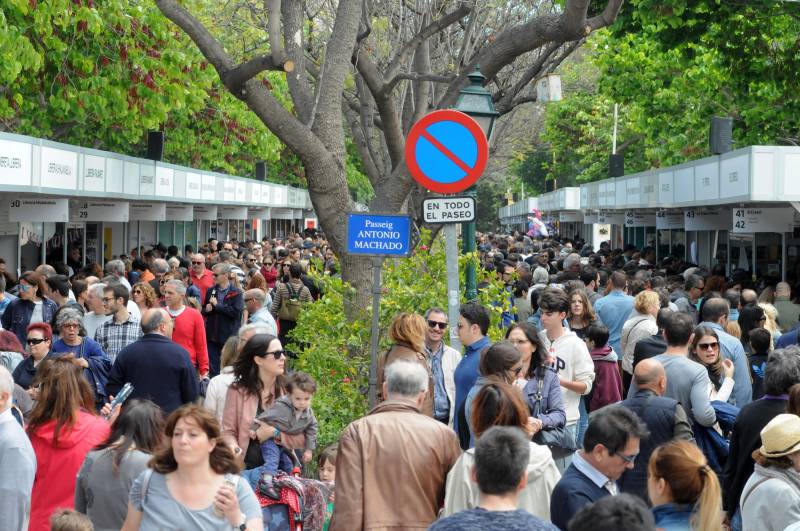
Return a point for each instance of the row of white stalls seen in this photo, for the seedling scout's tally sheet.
(739, 209)
(56, 197)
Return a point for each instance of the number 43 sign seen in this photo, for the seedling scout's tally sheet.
(752, 220)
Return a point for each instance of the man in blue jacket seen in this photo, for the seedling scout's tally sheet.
(610, 447)
(473, 325)
(158, 368)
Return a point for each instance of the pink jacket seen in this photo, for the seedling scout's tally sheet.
(239, 414)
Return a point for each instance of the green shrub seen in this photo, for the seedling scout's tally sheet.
(335, 351)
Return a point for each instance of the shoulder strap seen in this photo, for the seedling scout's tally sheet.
(749, 492)
(145, 483)
(83, 346)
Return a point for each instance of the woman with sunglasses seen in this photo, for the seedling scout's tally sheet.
(269, 271)
(31, 306)
(706, 351)
(39, 342)
(144, 296)
(501, 362)
(258, 381)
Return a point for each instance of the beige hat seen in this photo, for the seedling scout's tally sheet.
(781, 436)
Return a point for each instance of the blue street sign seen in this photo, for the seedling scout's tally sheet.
(378, 234)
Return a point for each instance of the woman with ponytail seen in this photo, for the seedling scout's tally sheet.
(685, 492)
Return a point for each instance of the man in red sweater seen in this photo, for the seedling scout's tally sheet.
(201, 277)
(190, 330)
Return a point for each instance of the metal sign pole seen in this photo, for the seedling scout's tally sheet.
(453, 299)
(377, 265)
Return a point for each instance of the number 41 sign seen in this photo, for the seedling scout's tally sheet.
(752, 220)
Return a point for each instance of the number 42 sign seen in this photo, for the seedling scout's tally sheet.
(752, 220)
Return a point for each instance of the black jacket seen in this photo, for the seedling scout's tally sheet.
(745, 439)
(159, 370)
(648, 347)
(225, 318)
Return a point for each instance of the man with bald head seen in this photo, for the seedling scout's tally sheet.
(665, 418)
(158, 368)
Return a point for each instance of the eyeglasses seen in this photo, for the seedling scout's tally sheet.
(707, 346)
(71, 325)
(197, 263)
(138, 291)
(36, 341)
(626, 458)
(277, 354)
(109, 299)
(434, 324)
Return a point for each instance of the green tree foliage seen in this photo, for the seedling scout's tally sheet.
(102, 74)
(671, 66)
(335, 350)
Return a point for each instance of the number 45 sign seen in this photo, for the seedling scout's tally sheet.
(752, 220)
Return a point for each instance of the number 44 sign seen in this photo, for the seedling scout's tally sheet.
(751, 220)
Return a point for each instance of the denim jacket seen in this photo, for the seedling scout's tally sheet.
(17, 316)
(673, 516)
(552, 413)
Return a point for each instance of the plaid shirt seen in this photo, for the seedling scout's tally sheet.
(114, 336)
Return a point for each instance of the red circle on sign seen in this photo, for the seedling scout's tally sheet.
(473, 173)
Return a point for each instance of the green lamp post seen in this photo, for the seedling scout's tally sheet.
(476, 102)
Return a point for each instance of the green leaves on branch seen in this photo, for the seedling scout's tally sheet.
(101, 74)
(335, 350)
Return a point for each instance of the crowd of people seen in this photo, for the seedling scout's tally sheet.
(606, 390)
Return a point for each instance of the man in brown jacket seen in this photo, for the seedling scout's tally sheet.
(392, 464)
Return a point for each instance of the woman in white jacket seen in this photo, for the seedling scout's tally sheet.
(500, 404)
(771, 497)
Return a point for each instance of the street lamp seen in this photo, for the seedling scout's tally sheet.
(476, 102)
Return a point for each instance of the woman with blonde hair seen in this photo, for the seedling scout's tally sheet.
(642, 325)
(685, 492)
(771, 324)
(143, 294)
(407, 333)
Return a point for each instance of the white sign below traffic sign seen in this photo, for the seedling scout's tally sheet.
(448, 209)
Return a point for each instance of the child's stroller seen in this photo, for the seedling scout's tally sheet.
(292, 503)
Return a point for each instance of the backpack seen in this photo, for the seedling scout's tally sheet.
(291, 306)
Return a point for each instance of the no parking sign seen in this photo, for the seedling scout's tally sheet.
(446, 151)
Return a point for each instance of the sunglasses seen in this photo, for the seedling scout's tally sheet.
(138, 291)
(434, 324)
(707, 346)
(277, 354)
(36, 341)
(198, 263)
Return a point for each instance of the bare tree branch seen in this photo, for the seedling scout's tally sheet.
(297, 80)
(236, 77)
(527, 77)
(274, 29)
(417, 76)
(426, 33)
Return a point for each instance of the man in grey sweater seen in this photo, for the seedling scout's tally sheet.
(687, 381)
(17, 462)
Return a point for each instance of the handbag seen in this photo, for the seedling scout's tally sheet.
(553, 436)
